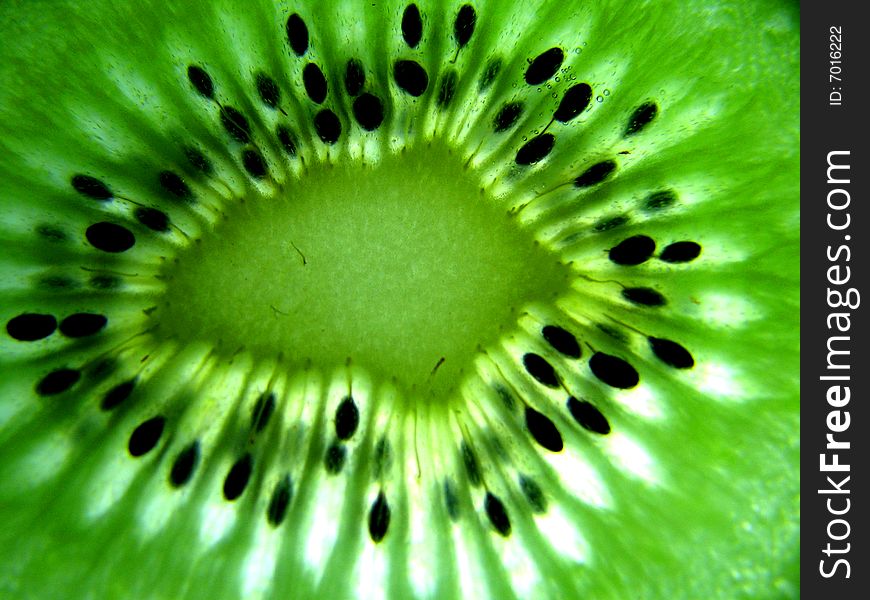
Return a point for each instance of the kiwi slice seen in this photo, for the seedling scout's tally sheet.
(432, 299)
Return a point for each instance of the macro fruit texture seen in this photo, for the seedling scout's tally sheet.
(405, 300)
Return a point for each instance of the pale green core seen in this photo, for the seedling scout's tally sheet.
(394, 267)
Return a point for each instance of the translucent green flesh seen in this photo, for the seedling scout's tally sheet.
(693, 494)
(401, 268)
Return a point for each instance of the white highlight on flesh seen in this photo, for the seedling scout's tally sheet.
(521, 568)
(717, 380)
(642, 402)
(157, 508)
(365, 150)
(470, 576)
(13, 405)
(259, 565)
(323, 529)
(218, 517)
(42, 461)
(579, 477)
(563, 534)
(725, 310)
(112, 481)
(372, 568)
(422, 550)
(632, 457)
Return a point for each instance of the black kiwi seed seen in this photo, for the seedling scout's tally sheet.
(198, 161)
(184, 465)
(262, 411)
(254, 164)
(91, 187)
(574, 102)
(201, 81)
(103, 368)
(315, 83)
(493, 68)
(82, 324)
(57, 382)
(562, 340)
(544, 66)
(680, 252)
(29, 327)
(379, 518)
(505, 396)
(346, 419)
(611, 223)
(411, 77)
(334, 458)
(611, 332)
(671, 353)
(463, 27)
(632, 251)
(382, 458)
(117, 394)
(174, 184)
(543, 430)
(146, 436)
(412, 26)
(328, 126)
(534, 494)
(643, 296)
(595, 174)
(354, 77)
(536, 149)
(268, 90)
(497, 514)
(447, 90)
(238, 477)
(507, 116)
(153, 219)
(613, 371)
(641, 117)
(235, 124)
(105, 282)
(50, 233)
(280, 500)
(368, 110)
(57, 282)
(110, 237)
(286, 139)
(659, 200)
(471, 466)
(451, 501)
(297, 34)
(540, 369)
(588, 416)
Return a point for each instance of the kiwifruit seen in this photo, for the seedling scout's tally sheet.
(430, 299)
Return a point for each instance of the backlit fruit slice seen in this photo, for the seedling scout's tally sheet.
(399, 300)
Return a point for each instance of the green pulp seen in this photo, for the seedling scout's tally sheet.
(404, 267)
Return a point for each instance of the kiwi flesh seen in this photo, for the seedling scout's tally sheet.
(402, 299)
